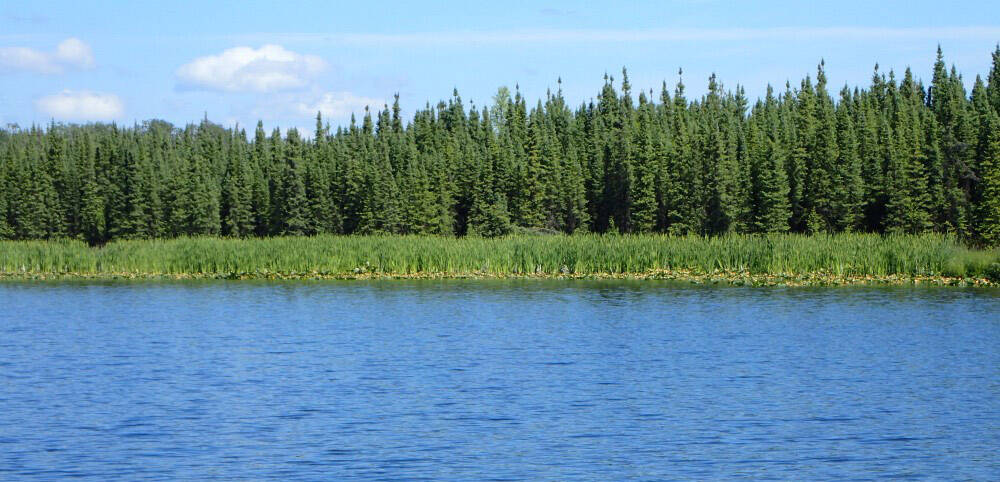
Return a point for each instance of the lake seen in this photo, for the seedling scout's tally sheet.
(501, 380)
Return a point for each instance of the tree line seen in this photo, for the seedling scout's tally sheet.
(894, 157)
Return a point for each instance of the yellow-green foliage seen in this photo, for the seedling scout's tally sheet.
(842, 255)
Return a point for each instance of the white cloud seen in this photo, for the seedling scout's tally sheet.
(23, 58)
(267, 69)
(70, 53)
(336, 105)
(81, 106)
(74, 52)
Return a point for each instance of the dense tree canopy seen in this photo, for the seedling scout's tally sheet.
(897, 156)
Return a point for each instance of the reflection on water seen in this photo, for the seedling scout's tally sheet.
(491, 379)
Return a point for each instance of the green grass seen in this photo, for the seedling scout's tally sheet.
(844, 255)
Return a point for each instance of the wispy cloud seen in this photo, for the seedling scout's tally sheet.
(630, 36)
(81, 106)
(556, 12)
(270, 68)
(30, 18)
(335, 105)
(71, 53)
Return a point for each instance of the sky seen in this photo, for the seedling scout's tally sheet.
(238, 62)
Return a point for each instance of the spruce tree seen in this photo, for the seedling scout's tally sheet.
(5, 230)
(993, 85)
(820, 193)
(718, 148)
(768, 190)
(237, 215)
(92, 222)
(908, 200)
(489, 216)
(643, 184)
(800, 199)
(683, 193)
(292, 204)
(847, 185)
(989, 211)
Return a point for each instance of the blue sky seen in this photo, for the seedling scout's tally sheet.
(281, 61)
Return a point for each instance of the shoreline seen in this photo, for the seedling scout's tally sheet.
(719, 278)
(768, 260)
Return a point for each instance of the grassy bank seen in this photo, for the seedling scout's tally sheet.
(774, 259)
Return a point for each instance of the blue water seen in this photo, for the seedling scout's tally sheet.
(497, 380)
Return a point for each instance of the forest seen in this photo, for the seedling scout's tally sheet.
(895, 157)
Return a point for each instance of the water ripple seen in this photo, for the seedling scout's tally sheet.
(517, 380)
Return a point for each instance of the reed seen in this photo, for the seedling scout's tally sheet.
(843, 255)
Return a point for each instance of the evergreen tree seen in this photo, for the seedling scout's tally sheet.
(847, 186)
(804, 112)
(768, 191)
(892, 156)
(237, 214)
(5, 230)
(489, 216)
(643, 184)
(291, 201)
(989, 214)
(683, 193)
(993, 86)
(91, 222)
(721, 164)
(908, 200)
(534, 176)
(820, 194)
